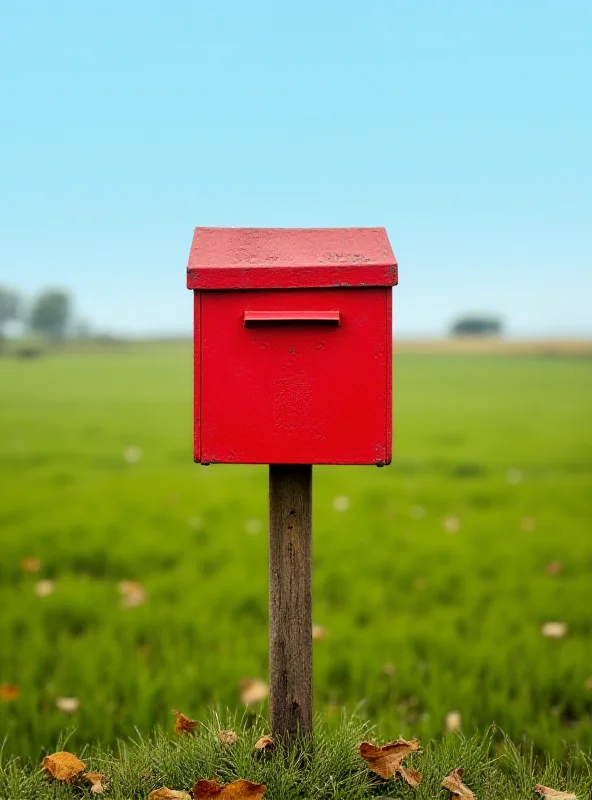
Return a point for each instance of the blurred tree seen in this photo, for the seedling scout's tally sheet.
(50, 314)
(477, 325)
(9, 307)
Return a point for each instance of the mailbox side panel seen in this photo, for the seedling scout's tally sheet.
(197, 376)
(389, 375)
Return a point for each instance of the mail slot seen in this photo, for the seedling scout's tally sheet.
(292, 345)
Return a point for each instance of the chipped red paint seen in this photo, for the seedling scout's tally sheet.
(293, 345)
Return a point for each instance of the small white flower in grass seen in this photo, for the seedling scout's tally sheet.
(69, 705)
(554, 630)
(44, 588)
(319, 632)
(132, 454)
(528, 524)
(514, 476)
(453, 721)
(451, 524)
(417, 512)
(341, 503)
(253, 526)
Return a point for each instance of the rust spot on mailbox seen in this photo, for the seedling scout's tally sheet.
(264, 294)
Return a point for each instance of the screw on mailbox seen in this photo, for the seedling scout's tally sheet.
(292, 367)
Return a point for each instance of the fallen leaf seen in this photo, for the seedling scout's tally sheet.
(9, 692)
(386, 761)
(264, 744)
(237, 790)
(68, 704)
(554, 630)
(253, 691)
(44, 588)
(546, 791)
(453, 721)
(98, 781)
(183, 724)
(227, 737)
(587, 683)
(412, 776)
(456, 787)
(168, 794)
(553, 568)
(132, 594)
(63, 766)
(319, 633)
(30, 564)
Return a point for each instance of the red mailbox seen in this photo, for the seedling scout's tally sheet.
(293, 345)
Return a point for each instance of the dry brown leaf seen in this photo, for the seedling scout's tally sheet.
(237, 790)
(30, 564)
(227, 737)
(9, 692)
(456, 787)
(553, 568)
(253, 691)
(168, 794)
(132, 594)
(98, 781)
(546, 791)
(183, 724)
(412, 776)
(264, 745)
(386, 761)
(63, 766)
(69, 705)
(588, 683)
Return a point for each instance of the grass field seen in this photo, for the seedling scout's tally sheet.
(433, 577)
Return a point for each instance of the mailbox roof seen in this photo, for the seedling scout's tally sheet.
(290, 258)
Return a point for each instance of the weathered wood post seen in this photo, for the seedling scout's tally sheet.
(292, 367)
(290, 598)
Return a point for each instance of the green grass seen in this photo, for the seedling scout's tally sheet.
(421, 620)
(328, 768)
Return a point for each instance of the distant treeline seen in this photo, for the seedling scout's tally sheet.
(49, 315)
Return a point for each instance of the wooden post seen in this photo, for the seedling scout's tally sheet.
(290, 598)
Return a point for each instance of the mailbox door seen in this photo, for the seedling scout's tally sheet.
(295, 376)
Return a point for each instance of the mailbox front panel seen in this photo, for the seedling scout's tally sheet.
(293, 376)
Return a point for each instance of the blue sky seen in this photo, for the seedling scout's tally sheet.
(465, 128)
